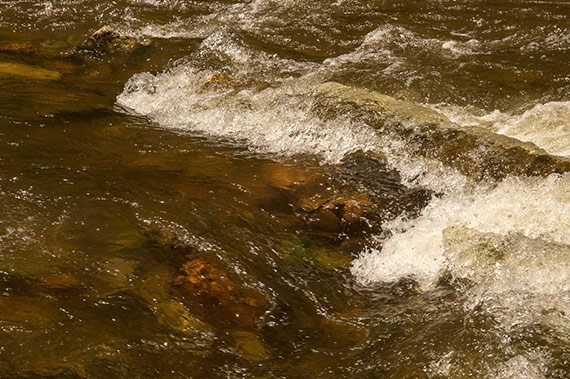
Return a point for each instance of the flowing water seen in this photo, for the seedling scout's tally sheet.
(285, 189)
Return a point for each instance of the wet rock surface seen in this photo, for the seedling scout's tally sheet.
(337, 213)
(473, 151)
(107, 40)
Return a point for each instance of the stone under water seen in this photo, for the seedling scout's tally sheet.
(27, 71)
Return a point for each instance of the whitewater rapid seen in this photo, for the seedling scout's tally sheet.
(504, 242)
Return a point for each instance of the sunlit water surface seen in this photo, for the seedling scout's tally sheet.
(184, 203)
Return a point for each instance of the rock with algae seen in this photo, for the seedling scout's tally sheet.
(475, 152)
(301, 250)
(249, 347)
(213, 297)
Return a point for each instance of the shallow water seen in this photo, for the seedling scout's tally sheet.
(192, 201)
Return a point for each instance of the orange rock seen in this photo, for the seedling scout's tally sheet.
(213, 297)
(333, 213)
(18, 48)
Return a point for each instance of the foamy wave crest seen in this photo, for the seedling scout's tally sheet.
(387, 43)
(518, 208)
(195, 27)
(546, 125)
(270, 116)
(507, 246)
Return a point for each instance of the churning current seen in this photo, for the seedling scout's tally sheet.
(284, 189)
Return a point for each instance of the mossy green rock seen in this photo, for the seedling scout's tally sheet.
(297, 249)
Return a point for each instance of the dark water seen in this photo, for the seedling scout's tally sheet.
(176, 202)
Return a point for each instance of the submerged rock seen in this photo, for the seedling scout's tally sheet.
(27, 71)
(289, 177)
(340, 334)
(47, 369)
(31, 315)
(188, 332)
(334, 214)
(215, 298)
(18, 48)
(475, 152)
(249, 347)
(302, 250)
(63, 281)
(175, 316)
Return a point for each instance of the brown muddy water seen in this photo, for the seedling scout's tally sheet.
(284, 189)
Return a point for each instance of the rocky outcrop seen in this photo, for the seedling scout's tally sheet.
(473, 151)
(107, 40)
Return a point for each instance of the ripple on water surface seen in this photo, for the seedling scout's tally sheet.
(187, 207)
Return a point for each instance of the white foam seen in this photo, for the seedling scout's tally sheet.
(195, 27)
(168, 4)
(520, 367)
(510, 244)
(386, 44)
(273, 119)
(534, 208)
(376, 46)
(459, 48)
(251, 17)
(547, 125)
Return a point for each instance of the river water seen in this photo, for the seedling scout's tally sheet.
(285, 189)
